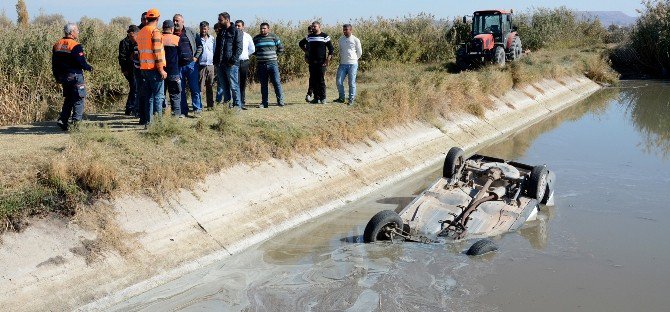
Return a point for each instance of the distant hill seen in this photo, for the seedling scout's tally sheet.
(609, 17)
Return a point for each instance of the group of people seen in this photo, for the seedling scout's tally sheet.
(157, 57)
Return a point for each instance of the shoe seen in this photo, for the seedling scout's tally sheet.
(197, 114)
(339, 100)
(281, 104)
(323, 101)
(309, 99)
(314, 101)
(63, 125)
(350, 103)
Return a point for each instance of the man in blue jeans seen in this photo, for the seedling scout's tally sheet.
(152, 68)
(227, 56)
(190, 49)
(350, 53)
(221, 96)
(68, 64)
(268, 46)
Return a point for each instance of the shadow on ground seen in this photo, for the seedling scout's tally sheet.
(116, 121)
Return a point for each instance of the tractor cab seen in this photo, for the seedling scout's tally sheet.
(495, 22)
(493, 39)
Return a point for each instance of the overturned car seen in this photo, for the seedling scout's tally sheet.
(475, 198)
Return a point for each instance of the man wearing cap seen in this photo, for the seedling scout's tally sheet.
(67, 65)
(173, 81)
(190, 49)
(152, 67)
(126, 50)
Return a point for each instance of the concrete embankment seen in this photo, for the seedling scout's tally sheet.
(57, 265)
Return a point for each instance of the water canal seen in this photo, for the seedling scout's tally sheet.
(603, 247)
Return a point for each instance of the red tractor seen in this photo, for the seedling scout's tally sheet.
(493, 39)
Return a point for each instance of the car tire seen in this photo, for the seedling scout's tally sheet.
(481, 247)
(374, 229)
(452, 162)
(537, 183)
(499, 56)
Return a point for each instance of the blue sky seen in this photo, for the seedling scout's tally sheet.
(298, 10)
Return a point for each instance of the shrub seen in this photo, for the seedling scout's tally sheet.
(648, 50)
(558, 28)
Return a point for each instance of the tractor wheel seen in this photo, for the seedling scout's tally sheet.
(462, 59)
(499, 56)
(514, 53)
(519, 48)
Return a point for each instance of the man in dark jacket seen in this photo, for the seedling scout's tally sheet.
(126, 51)
(227, 56)
(67, 65)
(319, 49)
(190, 49)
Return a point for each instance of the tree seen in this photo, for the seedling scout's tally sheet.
(5, 22)
(121, 20)
(22, 12)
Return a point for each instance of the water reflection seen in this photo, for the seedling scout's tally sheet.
(518, 144)
(649, 110)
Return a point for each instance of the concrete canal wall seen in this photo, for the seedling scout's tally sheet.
(57, 265)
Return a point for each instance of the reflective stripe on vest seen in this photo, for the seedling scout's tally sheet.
(145, 48)
(170, 40)
(65, 45)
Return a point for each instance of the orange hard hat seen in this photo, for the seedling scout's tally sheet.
(153, 13)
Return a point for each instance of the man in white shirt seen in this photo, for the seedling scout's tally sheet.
(350, 53)
(248, 48)
(206, 62)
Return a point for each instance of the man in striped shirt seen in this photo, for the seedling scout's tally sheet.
(319, 49)
(268, 46)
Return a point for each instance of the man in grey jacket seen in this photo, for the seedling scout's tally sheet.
(227, 53)
(190, 49)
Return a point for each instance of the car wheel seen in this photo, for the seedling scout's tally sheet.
(381, 226)
(452, 162)
(537, 183)
(481, 247)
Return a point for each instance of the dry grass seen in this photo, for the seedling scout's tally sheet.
(102, 160)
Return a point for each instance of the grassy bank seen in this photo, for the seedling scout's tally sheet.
(405, 78)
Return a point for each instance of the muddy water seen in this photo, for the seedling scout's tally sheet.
(603, 247)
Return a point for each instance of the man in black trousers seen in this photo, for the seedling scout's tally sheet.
(319, 49)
